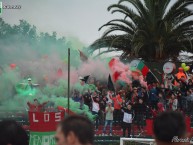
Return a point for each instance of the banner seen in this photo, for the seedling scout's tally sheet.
(44, 122)
(43, 126)
(42, 138)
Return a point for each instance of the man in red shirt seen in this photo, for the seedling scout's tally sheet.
(117, 108)
(36, 106)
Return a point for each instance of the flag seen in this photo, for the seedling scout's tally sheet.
(146, 72)
(83, 57)
(110, 84)
(85, 79)
(150, 78)
(116, 76)
(137, 64)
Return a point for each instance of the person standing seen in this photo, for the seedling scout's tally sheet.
(173, 103)
(30, 85)
(134, 95)
(189, 101)
(95, 108)
(153, 96)
(36, 106)
(102, 105)
(87, 99)
(109, 118)
(117, 106)
(127, 119)
(140, 111)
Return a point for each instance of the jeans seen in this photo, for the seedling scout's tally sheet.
(108, 122)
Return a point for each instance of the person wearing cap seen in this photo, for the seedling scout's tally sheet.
(30, 85)
(83, 87)
(109, 118)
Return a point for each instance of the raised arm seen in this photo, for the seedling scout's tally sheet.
(92, 98)
(29, 104)
(43, 104)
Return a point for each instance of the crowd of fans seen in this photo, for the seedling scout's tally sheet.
(134, 104)
(130, 105)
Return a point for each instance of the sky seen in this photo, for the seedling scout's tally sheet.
(79, 18)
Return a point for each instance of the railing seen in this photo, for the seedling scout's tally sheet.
(136, 141)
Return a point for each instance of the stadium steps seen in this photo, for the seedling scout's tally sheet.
(117, 131)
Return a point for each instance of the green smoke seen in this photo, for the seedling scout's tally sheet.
(40, 56)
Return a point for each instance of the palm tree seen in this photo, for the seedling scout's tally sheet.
(152, 30)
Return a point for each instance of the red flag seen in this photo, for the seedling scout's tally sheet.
(111, 63)
(145, 70)
(116, 76)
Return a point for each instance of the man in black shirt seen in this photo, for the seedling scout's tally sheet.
(102, 106)
(128, 117)
(140, 111)
(87, 99)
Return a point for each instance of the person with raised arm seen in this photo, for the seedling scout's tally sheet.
(36, 106)
(127, 119)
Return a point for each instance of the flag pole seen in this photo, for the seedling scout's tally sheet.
(68, 80)
(151, 72)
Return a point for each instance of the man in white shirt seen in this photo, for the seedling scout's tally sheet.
(95, 108)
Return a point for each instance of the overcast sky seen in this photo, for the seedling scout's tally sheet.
(80, 18)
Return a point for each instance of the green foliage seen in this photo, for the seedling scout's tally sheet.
(152, 30)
